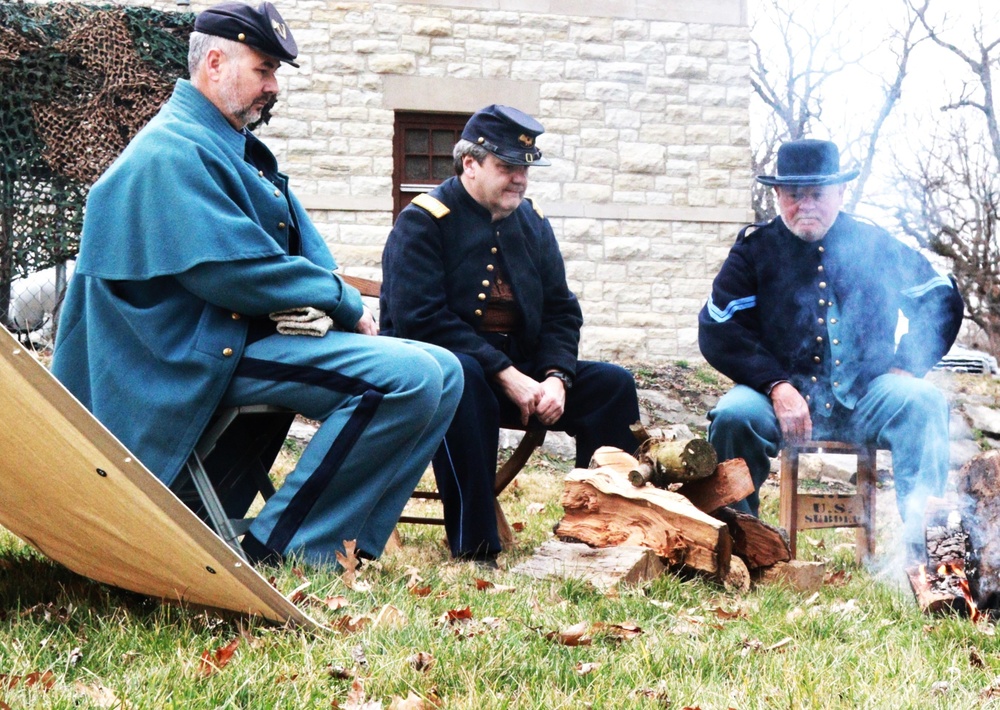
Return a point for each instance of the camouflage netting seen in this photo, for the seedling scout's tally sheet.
(76, 84)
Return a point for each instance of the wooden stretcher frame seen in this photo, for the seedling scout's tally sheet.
(74, 492)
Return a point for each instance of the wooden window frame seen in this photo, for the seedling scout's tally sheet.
(405, 189)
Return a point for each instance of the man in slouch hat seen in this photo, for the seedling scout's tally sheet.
(803, 317)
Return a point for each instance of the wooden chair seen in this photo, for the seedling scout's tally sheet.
(533, 438)
(807, 511)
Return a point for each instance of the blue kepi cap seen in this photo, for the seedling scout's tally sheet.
(507, 133)
(261, 28)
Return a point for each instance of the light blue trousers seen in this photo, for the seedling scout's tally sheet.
(384, 404)
(906, 415)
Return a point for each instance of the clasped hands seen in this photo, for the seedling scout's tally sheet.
(546, 399)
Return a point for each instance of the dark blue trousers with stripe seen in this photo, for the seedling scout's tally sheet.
(599, 409)
(384, 404)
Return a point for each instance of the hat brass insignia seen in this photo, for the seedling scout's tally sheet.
(526, 141)
(279, 27)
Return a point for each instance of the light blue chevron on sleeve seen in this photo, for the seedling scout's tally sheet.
(740, 304)
(918, 291)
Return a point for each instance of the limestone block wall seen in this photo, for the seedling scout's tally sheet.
(645, 104)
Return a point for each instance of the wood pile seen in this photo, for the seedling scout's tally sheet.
(679, 512)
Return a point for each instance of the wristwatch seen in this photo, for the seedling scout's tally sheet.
(560, 375)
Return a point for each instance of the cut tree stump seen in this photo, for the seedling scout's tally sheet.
(756, 542)
(604, 510)
(605, 568)
(730, 483)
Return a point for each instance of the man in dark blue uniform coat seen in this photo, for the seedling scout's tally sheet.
(192, 239)
(474, 267)
(803, 317)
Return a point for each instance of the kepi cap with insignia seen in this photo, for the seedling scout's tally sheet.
(808, 162)
(263, 28)
(507, 133)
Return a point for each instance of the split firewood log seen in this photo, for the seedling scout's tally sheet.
(603, 509)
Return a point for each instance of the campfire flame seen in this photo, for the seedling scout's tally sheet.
(953, 575)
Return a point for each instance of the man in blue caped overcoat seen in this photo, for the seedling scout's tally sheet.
(195, 260)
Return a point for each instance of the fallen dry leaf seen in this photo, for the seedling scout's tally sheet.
(534, 508)
(484, 585)
(50, 612)
(838, 578)
(726, 614)
(45, 679)
(349, 561)
(453, 615)
(585, 668)
(575, 635)
(975, 660)
(420, 591)
(217, 660)
(299, 593)
(622, 632)
(75, 656)
(350, 624)
(99, 695)
(332, 603)
(991, 691)
(412, 701)
(517, 526)
(421, 661)
(356, 698)
(340, 673)
(940, 687)
(390, 617)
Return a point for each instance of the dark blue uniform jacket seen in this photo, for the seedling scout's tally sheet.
(437, 273)
(824, 315)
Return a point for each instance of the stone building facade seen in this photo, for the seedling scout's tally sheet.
(645, 105)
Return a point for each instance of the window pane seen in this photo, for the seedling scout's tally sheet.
(416, 141)
(444, 141)
(416, 168)
(443, 168)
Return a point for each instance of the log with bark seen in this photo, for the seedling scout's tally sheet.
(942, 590)
(664, 462)
(730, 483)
(756, 542)
(603, 509)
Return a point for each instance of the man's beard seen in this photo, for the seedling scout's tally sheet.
(244, 114)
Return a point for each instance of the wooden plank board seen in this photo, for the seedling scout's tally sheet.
(74, 492)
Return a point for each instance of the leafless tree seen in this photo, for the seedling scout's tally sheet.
(792, 61)
(953, 185)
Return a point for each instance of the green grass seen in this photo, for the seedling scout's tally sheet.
(858, 643)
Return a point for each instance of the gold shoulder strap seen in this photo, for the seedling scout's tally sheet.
(433, 205)
(535, 207)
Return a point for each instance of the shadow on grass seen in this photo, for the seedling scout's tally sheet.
(29, 581)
